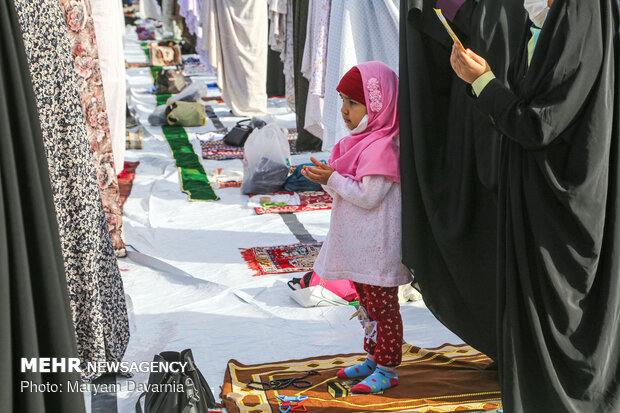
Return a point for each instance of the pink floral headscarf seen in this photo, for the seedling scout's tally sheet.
(374, 151)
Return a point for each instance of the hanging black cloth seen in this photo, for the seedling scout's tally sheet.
(305, 140)
(449, 155)
(559, 223)
(35, 319)
(275, 73)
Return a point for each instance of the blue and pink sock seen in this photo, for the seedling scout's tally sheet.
(359, 370)
(381, 379)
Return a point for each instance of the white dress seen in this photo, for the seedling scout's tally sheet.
(364, 240)
(314, 63)
(190, 11)
(235, 35)
(109, 29)
(359, 31)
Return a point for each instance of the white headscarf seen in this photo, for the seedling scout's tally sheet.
(537, 9)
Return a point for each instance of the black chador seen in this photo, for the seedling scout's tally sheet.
(449, 163)
(558, 244)
(510, 212)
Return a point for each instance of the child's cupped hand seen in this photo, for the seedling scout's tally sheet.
(319, 174)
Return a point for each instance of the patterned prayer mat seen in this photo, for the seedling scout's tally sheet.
(225, 178)
(310, 201)
(125, 180)
(136, 65)
(219, 151)
(450, 378)
(282, 258)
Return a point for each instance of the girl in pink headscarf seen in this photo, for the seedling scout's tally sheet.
(364, 240)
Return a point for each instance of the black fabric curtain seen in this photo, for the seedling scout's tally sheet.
(449, 161)
(305, 140)
(275, 73)
(35, 319)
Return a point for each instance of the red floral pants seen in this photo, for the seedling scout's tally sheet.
(382, 306)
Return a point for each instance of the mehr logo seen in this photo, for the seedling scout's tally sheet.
(51, 365)
(64, 365)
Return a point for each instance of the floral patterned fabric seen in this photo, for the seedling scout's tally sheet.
(94, 284)
(86, 62)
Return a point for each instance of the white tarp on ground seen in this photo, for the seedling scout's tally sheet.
(188, 286)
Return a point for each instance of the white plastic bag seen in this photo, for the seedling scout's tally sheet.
(316, 296)
(192, 93)
(266, 160)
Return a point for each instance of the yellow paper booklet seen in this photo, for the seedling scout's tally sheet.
(445, 23)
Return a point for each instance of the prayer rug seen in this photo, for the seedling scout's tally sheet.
(162, 99)
(282, 258)
(450, 378)
(194, 181)
(225, 178)
(219, 151)
(155, 70)
(136, 65)
(310, 201)
(230, 184)
(125, 180)
(145, 49)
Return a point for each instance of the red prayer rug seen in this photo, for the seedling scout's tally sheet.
(450, 378)
(310, 201)
(282, 258)
(125, 180)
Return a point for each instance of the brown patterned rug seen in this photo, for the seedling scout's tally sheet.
(450, 378)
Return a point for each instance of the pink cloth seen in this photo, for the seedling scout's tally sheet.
(342, 288)
(364, 239)
(373, 151)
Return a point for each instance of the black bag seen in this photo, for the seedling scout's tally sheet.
(196, 396)
(239, 134)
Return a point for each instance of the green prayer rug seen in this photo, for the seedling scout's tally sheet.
(145, 49)
(161, 99)
(155, 72)
(194, 181)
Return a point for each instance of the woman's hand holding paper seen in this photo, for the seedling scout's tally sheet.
(468, 65)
